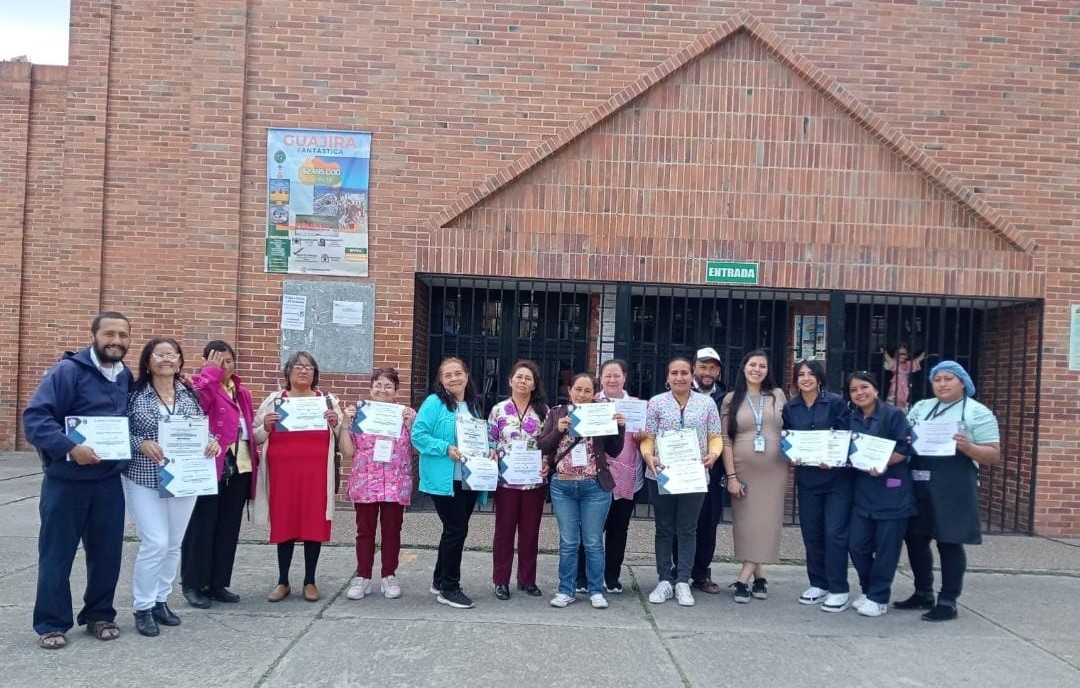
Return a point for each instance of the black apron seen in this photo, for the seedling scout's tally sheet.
(951, 494)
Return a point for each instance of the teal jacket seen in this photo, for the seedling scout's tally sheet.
(433, 431)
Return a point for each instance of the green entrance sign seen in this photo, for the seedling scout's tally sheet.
(717, 272)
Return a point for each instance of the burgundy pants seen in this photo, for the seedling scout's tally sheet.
(367, 515)
(516, 512)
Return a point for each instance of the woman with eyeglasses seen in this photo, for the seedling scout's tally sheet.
(295, 492)
(883, 502)
(825, 493)
(756, 474)
(159, 394)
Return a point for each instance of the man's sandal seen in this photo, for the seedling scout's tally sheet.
(103, 630)
(53, 640)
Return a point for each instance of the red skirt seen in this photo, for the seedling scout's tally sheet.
(297, 465)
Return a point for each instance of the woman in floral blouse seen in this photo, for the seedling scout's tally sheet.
(515, 423)
(380, 486)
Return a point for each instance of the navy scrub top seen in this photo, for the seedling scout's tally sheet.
(892, 494)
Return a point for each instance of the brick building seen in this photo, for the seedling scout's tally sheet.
(551, 179)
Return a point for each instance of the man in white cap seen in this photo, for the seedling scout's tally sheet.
(708, 374)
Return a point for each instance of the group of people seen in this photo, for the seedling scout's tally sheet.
(592, 483)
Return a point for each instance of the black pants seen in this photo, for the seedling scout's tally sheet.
(953, 559)
(454, 512)
(712, 511)
(616, 528)
(209, 547)
(74, 510)
(676, 519)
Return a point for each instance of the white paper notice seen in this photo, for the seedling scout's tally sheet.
(349, 313)
(293, 312)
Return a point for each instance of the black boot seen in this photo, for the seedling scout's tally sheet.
(223, 595)
(916, 601)
(145, 624)
(196, 599)
(940, 612)
(164, 616)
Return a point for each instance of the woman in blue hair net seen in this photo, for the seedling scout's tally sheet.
(946, 490)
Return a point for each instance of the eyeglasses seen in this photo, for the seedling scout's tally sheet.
(304, 367)
(387, 386)
(171, 358)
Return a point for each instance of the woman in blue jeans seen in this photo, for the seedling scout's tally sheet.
(581, 487)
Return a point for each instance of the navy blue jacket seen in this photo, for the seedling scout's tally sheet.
(892, 494)
(73, 387)
(829, 412)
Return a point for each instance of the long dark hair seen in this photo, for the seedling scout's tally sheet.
(863, 376)
(738, 395)
(472, 399)
(145, 376)
(815, 368)
(538, 399)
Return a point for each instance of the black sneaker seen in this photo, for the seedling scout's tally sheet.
(615, 588)
(163, 615)
(502, 592)
(455, 598)
(940, 612)
(582, 587)
(916, 601)
(760, 591)
(530, 590)
(742, 592)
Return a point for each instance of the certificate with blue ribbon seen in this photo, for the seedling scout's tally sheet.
(108, 436)
(593, 420)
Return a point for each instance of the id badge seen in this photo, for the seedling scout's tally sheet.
(920, 476)
(759, 444)
(383, 451)
(579, 456)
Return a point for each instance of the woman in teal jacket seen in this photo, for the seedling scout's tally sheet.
(434, 436)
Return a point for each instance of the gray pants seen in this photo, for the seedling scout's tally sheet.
(676, 518)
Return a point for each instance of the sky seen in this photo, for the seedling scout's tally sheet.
(35, 28)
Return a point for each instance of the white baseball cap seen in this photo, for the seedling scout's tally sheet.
(707, 354)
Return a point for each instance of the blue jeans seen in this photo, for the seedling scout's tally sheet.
(581, 507)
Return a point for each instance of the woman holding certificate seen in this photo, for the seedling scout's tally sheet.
(682, 442)
(519, 499)
(449, 431)
(296, 429)
(953, 433)
(380, 483)
(755, 472)
(884, 498)
(159, 396)
(824, 488)
(581, 483)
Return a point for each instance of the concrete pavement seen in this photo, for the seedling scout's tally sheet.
(1017, 624)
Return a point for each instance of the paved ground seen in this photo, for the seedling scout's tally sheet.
(1017, 625)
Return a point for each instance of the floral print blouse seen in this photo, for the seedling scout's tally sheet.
(508, 424)
(370, 481)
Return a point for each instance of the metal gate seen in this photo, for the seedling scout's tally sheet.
(567, 327)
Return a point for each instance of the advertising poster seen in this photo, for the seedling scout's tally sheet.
(317, 202)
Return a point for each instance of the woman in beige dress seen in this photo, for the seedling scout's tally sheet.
(756, 474)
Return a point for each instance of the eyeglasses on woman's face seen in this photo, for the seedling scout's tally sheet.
(303, 367)
(171, 358)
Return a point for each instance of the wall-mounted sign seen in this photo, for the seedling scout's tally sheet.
(718, 272)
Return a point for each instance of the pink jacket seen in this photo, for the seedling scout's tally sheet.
(224, 415)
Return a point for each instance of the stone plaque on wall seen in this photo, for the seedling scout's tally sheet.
(334, 321)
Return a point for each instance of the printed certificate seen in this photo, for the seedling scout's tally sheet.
(870, 452)
(934, 437)
(480, 474)
(522, 467)
(301, 413)
(379, 418)
(187, 472)
(816, 447)
(108, 436)
(633, 410)
(593, 420)
(472, 439)
(680, 455)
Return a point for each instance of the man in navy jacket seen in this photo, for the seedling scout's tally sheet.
(81, 495)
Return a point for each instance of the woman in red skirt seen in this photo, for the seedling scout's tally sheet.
(296, 430)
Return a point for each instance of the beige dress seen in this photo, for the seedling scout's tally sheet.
(758, 517)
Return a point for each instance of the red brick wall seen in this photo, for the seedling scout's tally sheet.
(162, 209)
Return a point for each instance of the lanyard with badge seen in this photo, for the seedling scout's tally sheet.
(759, 417)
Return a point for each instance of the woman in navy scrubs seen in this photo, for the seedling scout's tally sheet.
(884, 502)
(825, 493)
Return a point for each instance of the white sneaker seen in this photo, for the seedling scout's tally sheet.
(662, 593)
(598, 601)
(872, 608)
(390, 588)
(359, 588)
(859, 601)
(813, 595)
(835, 602)
(561, 600)
(683, 595)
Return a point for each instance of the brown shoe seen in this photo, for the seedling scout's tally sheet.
(279, 593)
(706, 586)
(311, 592)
